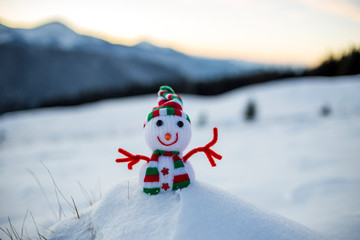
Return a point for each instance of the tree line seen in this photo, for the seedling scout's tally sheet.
(347, 64)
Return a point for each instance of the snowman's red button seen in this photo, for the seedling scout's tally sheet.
(165, 171)
(165, 186)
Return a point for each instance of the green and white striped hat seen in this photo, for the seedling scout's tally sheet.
(169, 104)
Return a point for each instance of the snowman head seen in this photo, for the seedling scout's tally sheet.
(168, 128)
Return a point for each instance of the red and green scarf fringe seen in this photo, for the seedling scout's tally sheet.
(152, 176)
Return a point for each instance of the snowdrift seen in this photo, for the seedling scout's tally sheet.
(197, 212)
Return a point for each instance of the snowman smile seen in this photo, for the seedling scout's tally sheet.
(169, 144)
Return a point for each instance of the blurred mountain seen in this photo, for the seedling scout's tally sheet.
(53, 65)
(53, 35)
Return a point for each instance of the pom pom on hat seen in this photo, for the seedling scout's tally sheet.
(169, 104)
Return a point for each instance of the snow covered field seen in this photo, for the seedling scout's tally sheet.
(291, 160)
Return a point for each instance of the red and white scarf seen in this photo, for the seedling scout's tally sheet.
(152, 177)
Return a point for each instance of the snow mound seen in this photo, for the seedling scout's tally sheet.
(197, 212)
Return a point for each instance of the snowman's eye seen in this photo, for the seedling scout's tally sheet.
(180, 124)
(159, 123)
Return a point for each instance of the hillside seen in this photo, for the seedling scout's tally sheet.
(52, 65)
(198, 212)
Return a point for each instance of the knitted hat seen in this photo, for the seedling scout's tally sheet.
(169, 104)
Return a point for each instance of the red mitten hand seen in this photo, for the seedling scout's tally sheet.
(132, 159)
(210, 154)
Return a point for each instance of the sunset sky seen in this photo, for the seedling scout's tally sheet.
(272, 31)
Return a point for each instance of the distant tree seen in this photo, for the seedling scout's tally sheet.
(350, 63)
(202, 119)
(2, 135)
(325, 110)
(250, 111)
(347, 64)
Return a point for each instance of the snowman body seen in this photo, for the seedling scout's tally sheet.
(166, 173)
(167, 136)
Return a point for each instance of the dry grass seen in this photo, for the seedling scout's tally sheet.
(14, 234)
(77, 213)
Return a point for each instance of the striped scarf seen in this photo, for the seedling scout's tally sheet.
(151, 181)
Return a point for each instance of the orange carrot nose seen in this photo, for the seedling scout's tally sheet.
(167, 136)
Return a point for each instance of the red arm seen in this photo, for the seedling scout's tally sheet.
(132, 159)
(210, 154)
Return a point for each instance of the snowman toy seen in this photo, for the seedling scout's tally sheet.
(168, 133)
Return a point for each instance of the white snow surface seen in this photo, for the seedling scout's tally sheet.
(290, 161)
(197, 212)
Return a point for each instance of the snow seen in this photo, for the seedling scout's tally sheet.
(197, 212)
(291, 161)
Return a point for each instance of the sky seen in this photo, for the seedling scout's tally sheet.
(301, 32)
